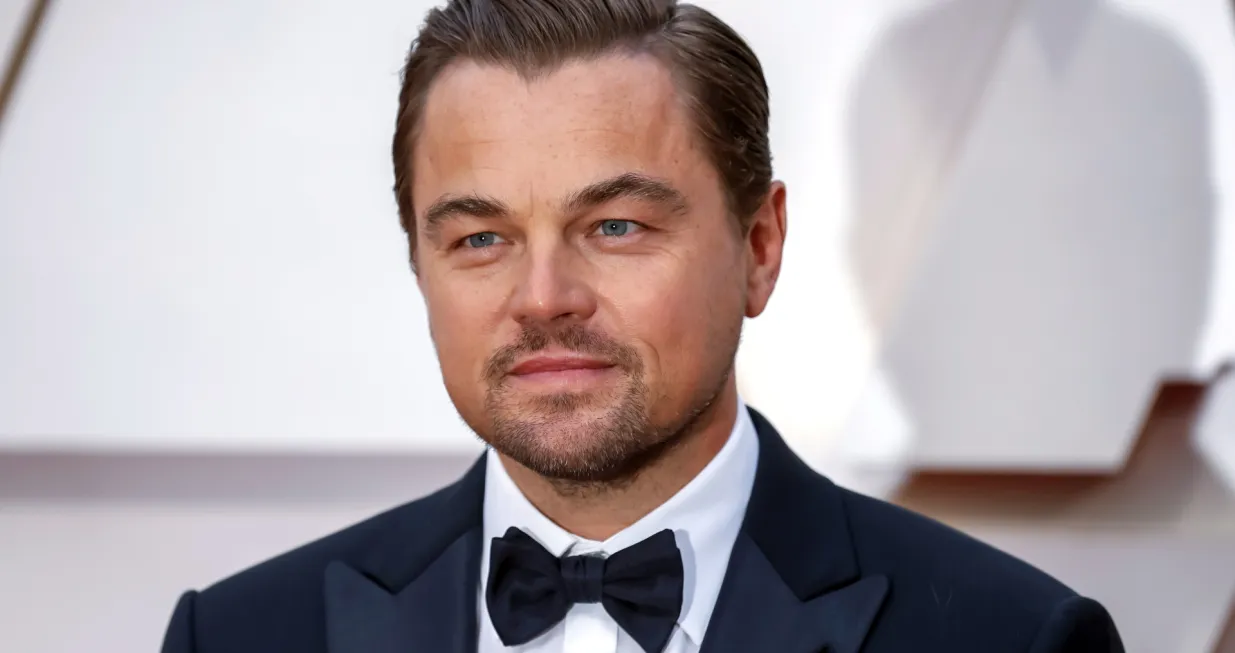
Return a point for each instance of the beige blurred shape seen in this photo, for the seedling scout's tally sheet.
(1032, 240)
(1032, 230)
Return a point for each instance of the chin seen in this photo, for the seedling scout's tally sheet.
(580, 462)
(572, 436)
(559, 407)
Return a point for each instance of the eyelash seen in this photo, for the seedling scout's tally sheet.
(638, 225)
(462, 242)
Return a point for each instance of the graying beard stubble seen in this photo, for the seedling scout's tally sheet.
(632, 442)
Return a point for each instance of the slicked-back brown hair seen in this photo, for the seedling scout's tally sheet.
(714, 69)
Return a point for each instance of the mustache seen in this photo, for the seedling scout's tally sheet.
(575, 338)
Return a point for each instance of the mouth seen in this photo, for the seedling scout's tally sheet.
(562, 372)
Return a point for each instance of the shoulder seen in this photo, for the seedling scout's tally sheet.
(890, 538)
(947, 587)
(278, 604)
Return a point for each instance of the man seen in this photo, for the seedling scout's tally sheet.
(586, 188)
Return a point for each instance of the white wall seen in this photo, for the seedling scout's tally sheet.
(201, 276)
(199, 249)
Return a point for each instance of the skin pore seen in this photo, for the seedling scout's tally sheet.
(584, 280)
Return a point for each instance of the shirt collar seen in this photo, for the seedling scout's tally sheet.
(705, 517)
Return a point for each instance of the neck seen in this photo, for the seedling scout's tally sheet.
(601, 511)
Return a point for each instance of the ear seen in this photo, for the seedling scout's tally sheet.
(765, 245)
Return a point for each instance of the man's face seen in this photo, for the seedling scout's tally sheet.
(584, 281)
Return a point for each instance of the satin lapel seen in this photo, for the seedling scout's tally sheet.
(415, 589)
(756, 611)
(793, 584)
(436, 612)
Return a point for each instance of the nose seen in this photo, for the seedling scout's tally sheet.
(552, 288)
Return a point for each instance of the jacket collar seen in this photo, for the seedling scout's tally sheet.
(793, 584)
(797, 519)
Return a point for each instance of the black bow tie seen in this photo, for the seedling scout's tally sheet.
(530, 590)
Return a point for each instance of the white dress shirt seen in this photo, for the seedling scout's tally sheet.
(705, 516)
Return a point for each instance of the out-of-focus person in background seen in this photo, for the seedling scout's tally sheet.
(587, 190)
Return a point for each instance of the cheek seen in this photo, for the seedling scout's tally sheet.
(461, 321)
(676, 313)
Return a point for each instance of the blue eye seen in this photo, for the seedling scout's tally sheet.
(482, 239)
(617, 227)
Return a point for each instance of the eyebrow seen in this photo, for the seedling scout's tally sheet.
(452, 206)
(632, 185)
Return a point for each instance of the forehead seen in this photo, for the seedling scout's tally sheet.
(486, 128)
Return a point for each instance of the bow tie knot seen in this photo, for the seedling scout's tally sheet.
(584, 578)
(529, 590)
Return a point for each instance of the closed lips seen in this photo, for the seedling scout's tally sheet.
(557, 364)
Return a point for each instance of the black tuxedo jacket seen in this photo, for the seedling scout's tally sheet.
(815, 568)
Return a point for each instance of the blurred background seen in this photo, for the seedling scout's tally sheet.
(1008, 299)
